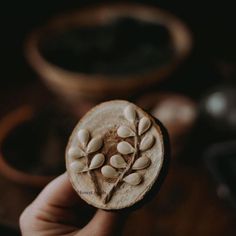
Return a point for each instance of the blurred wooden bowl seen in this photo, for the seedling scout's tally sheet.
(73, 86)
(7, 124)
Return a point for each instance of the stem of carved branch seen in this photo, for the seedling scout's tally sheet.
(108, 195)
(93, 179)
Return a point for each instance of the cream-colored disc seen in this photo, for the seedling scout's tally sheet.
(115, 155)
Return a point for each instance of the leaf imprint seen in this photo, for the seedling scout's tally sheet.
(109, 172)
(124, 148)
(130, 113)
(94, 145)
(141, 163)
(144, 125)
(133, 179)
(125, 132)
(83, 137)
(97, 161)
(146, 142)
(118, 161)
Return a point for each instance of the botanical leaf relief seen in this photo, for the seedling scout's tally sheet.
(97, 161)
(118, 161)
(109, 172)
(141, 163)
(82, 159)
(143, 141)
(118, 169)
(125, 132)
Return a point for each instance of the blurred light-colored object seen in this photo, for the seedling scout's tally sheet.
(73, 86)
(177, 113)
(218, 108)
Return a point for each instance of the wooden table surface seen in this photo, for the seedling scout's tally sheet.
(187, 204)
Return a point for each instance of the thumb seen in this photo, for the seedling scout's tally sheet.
(105, 223)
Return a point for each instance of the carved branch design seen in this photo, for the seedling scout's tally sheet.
(137, 130)
(86, 162)
(86, 147)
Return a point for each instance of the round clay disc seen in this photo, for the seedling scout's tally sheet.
(115, 155)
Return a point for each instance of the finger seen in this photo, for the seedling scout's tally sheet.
(105, 223)
(59, 192)
(47, 210)
(58, 203)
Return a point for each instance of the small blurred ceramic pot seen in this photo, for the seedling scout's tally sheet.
(7, 125)
(74, 86)
(218, 109)
(177, 112)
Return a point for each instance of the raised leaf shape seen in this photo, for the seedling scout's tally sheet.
(133, 179)
(97, 161)
(124, 148)
(118, 161)
(144, 125)
(146, 142)
(125, 132)
(141, 163)
(83, 137)
(109, 172)
(77, 166)
(130, 113)
(75, 152)
(94, 145)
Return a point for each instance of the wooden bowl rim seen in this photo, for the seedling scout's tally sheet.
(7, 124)
(180, 35)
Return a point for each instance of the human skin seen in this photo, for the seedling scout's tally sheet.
(58, 210)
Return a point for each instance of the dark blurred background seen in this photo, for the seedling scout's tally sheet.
(196, 102)
(211, 23)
